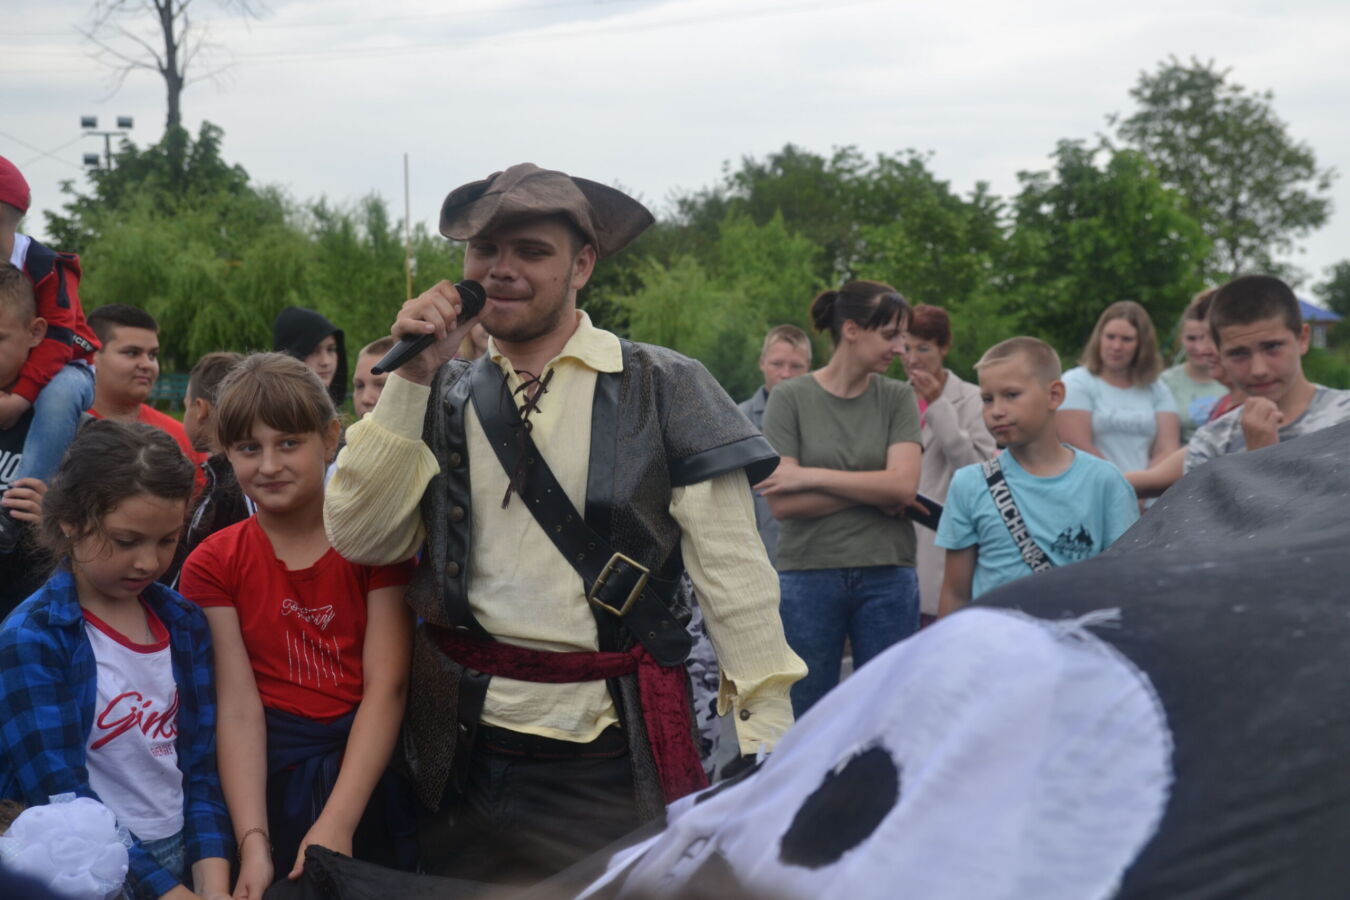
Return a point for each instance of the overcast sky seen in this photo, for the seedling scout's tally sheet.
(324, 96)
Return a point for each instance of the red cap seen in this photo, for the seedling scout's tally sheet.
(13, 188)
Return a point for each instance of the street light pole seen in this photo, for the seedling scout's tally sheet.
(90, 124)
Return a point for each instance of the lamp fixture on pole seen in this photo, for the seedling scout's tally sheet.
(90, 125)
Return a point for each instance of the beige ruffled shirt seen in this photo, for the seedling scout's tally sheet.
(536, 599)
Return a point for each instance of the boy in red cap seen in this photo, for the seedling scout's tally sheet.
(56, 382)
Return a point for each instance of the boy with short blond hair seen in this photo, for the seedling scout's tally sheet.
(786, 354)
(1039, 503)
(1261, 337)
(367, 386)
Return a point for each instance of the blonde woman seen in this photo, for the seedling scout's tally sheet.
(1116, 407)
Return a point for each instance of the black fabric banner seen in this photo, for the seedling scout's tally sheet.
(1234, 591)
(1232, 598)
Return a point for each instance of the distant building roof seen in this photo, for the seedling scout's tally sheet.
(1312, 313)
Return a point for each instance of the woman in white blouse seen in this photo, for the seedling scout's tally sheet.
(952, 426)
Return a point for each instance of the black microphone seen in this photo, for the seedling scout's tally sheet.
(471, 300)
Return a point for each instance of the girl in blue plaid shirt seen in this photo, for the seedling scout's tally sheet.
(105, 675)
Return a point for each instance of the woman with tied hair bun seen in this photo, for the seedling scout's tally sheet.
(850, 446)
(1115, 406)
(951, 419)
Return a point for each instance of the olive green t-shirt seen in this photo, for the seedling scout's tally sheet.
(820, 430)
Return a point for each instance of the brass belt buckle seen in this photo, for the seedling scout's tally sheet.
(592, 594)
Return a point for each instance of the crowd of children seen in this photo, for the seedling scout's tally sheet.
(197, 656)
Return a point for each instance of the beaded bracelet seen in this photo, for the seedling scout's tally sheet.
(254, 830)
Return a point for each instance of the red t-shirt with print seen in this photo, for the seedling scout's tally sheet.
(304, 629)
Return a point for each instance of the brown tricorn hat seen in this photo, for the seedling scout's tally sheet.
(608, 218)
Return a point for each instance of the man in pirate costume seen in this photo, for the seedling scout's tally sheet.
(559, 486)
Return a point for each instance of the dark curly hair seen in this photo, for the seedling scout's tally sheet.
(107, 463)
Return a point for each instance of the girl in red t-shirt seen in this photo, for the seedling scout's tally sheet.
(312, 651)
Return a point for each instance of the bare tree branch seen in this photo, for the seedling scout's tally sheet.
(213, 75)
(119, 77)
(105, 48)
(121, 47)
(190, 47)
(154, 53)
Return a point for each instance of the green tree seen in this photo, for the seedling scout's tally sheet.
(814, 195)
(756, 277)
(355, 258)
(175, 172)
(1253, 187)
(210, 281)
(1335, 291)
(888, 218)
(938, 248)
(157, 36)
(180, 232)
(831, 201)
(1086, 235)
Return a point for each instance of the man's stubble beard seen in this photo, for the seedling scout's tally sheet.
(531, 329)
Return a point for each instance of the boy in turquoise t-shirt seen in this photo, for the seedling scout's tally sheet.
(1073, 504)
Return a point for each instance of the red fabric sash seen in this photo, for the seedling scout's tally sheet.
(662, 692)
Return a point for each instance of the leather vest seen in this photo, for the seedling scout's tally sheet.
(661, 423)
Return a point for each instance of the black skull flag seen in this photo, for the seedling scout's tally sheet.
(1168, 720)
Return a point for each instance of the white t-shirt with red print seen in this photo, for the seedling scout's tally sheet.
(132, 752)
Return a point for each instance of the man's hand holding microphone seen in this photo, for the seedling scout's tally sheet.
(430, 328)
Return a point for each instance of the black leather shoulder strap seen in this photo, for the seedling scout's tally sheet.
(616, 584)
(604, 445)
(600, 479)
(1032, 554)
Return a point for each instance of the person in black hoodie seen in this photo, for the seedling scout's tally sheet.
(316, 342)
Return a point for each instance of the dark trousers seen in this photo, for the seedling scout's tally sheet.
(523, 819)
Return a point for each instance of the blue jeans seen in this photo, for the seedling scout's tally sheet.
(171, 854)
(56, 416)
(873, 606)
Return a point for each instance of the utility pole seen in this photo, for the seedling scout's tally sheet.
(90, 126)
(407, 231)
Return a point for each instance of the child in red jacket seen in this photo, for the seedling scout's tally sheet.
(55, 385)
